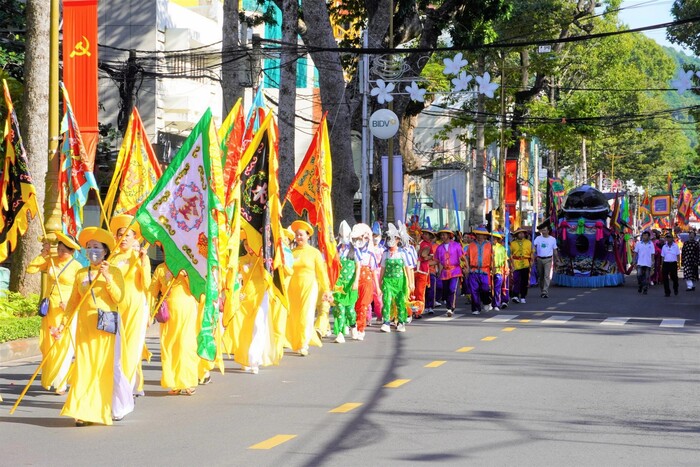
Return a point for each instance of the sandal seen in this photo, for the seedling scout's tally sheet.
(174, 392)
(188, 392)
(80, 423)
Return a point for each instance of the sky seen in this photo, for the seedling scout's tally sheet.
(640, 13)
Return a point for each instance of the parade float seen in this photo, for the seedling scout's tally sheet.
(593, 248)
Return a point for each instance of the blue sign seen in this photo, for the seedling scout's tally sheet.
(489, 192)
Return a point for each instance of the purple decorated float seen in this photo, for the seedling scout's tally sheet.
(591, 253)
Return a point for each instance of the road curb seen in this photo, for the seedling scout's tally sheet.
(28, 348)
(19, 349)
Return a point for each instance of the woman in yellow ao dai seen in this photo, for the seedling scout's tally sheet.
(99, 390)
(135, 267)
(309, 280)
(57, 351)
(178, 335)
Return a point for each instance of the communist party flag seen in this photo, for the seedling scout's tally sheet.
(80, 67)
(17, 194)
(310, 191)
(136, 172)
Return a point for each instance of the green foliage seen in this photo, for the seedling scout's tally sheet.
(687, 35)
(18, 316)
(14, 22)
(13, 304)
(19, 328)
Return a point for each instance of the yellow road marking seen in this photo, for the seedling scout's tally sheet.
(435, 364)
(345, 408)
(396, 383)
(272, 442)
(525, 320)
(489, 338)
(465, 349)
(508, 329)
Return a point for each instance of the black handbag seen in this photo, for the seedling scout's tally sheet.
(107, 321)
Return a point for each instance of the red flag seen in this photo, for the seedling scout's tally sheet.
(80, 68)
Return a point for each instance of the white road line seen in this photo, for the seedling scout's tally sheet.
(615, 321)
(500, 319)
(557, 319)
(561, 303)
(445, 318)
(672, 323)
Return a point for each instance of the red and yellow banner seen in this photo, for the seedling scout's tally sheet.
(80, 68)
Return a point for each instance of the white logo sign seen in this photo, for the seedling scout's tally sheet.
(383, 124)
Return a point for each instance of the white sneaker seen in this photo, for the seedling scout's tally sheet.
(522, 300)
(409, 319)
(496, 308)
(304, 352)
(516, 300)
(401, 328)
(488, 308)
(254, 370)
(477, 312)
(354, 334)
(361, 336)
(340, 339)
(449, 313)
(385, 328)
(430, 311)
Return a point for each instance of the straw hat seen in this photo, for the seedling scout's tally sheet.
(289, 233)
(124, 221)
(67, 241)
(429, 231)
(523, 229)
(97, 234)
(497, 234)
(480, 230)
(302, 225)
(447, 231)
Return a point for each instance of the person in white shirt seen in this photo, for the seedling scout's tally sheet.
(669, 267)
(644, 259)
(544, 255)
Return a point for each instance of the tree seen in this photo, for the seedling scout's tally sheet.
(231, 86)
(34, 122)
(688, 34)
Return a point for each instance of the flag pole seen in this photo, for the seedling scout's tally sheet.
(67, 325)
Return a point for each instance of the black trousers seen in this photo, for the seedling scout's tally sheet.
(670, 269)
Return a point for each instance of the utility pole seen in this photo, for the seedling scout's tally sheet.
(364, 85)
(390, 159)
(231, 54)
(287, 101)
(52, 209)
(502, 159)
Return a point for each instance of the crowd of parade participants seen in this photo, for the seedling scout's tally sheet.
(387, 279)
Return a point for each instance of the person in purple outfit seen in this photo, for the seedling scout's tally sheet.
(448, 255)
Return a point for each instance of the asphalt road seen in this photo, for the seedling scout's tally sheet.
(586, 377)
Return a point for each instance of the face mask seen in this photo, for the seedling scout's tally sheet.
(358, 243)
(391, 242)
(95, 255)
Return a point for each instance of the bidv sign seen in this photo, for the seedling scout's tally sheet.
(383, 124)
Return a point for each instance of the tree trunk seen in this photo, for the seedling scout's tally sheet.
(34, 122)
(477, 206)
(230, 63)
(287, 102)
(335, 101)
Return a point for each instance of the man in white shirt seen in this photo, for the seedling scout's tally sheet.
(644, 259)
(669, 266)
(544, 254)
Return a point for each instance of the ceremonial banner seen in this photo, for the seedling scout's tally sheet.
(17, 195)
(646, 219)
(180, 213)
(661, 205)
(136, 172)
(260, 204)
(80, 67)
(310, 191)
(685, 204)
(75, 177)
(696, 207)
(231, 141)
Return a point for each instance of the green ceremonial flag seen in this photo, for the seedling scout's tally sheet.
(180, 213)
